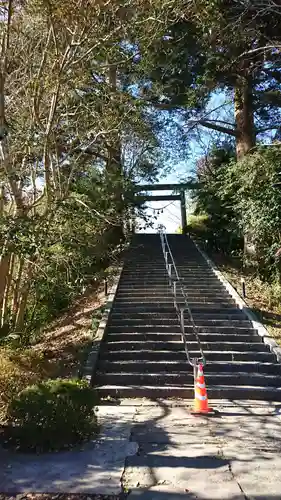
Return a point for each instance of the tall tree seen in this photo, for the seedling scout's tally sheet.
(62, 111)
(219, 45)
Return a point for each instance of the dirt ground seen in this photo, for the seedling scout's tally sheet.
(65, 342)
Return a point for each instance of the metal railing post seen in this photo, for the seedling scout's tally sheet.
(170, 274)
(170, 270)
(175, 294)
(182, 318)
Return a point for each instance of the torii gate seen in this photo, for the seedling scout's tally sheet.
(176, 188)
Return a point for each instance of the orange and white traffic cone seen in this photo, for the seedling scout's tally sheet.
(201, 406)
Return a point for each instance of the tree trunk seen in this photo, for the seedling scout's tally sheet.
(16, 288)
(23, 298)
(246, 137)
(6, 297)
(244, 117)
(114, 171)
(4, 272)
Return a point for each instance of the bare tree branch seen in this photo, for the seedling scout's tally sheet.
(214, 126)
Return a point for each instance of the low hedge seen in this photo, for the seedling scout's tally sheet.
(51, 415)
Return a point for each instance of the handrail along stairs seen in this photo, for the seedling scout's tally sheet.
(175, 283)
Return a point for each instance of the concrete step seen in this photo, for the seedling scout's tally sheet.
(146, 274)
(183, 270)
(133, 271)
(196, 290)
(200, 322)
(169, 301)
(167, 305)
(179, 355)
(186, 378)
(178, 346)
(155, 295)
(159, 275)
(160, 291)
(222, 392)
(224, 330)
(155, 310)
(149, 366)
(165, 336)
(201, 272)
(164, 280)
(197, 311)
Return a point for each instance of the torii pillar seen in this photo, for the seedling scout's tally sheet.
(183, 213)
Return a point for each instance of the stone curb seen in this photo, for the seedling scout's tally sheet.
(257, 325)
(90, 364)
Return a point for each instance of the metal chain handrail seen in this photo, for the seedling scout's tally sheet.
(175, 283)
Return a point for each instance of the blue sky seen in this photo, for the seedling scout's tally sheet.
(181, 170)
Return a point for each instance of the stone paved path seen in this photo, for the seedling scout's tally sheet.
(95, 468)
(158, 451)
(233, 456)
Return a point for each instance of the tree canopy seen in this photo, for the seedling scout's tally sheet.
(96, 96)
(217, 46)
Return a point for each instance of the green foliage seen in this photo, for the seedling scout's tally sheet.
(258, 204)
(51, 415)
(240, 200)
(215, 203)
(68, 248)
(198, 224)
(273, 295)
(19, 368)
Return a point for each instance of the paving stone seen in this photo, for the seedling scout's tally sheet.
(95, 468)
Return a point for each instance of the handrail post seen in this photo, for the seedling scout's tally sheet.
(175, 293)
(170, 273)
(182, 319)
(195, 369)
(170, 270)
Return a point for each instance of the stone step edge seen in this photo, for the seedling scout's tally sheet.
(166, 352)
(190, 374)
(92, 358)
(148, 395)
(176, 362)
(191, 386)
(185, 379)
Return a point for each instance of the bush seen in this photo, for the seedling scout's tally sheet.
(198, 224)
(18, 369)
(52, 415)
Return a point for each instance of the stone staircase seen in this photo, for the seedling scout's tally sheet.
(142, 354)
